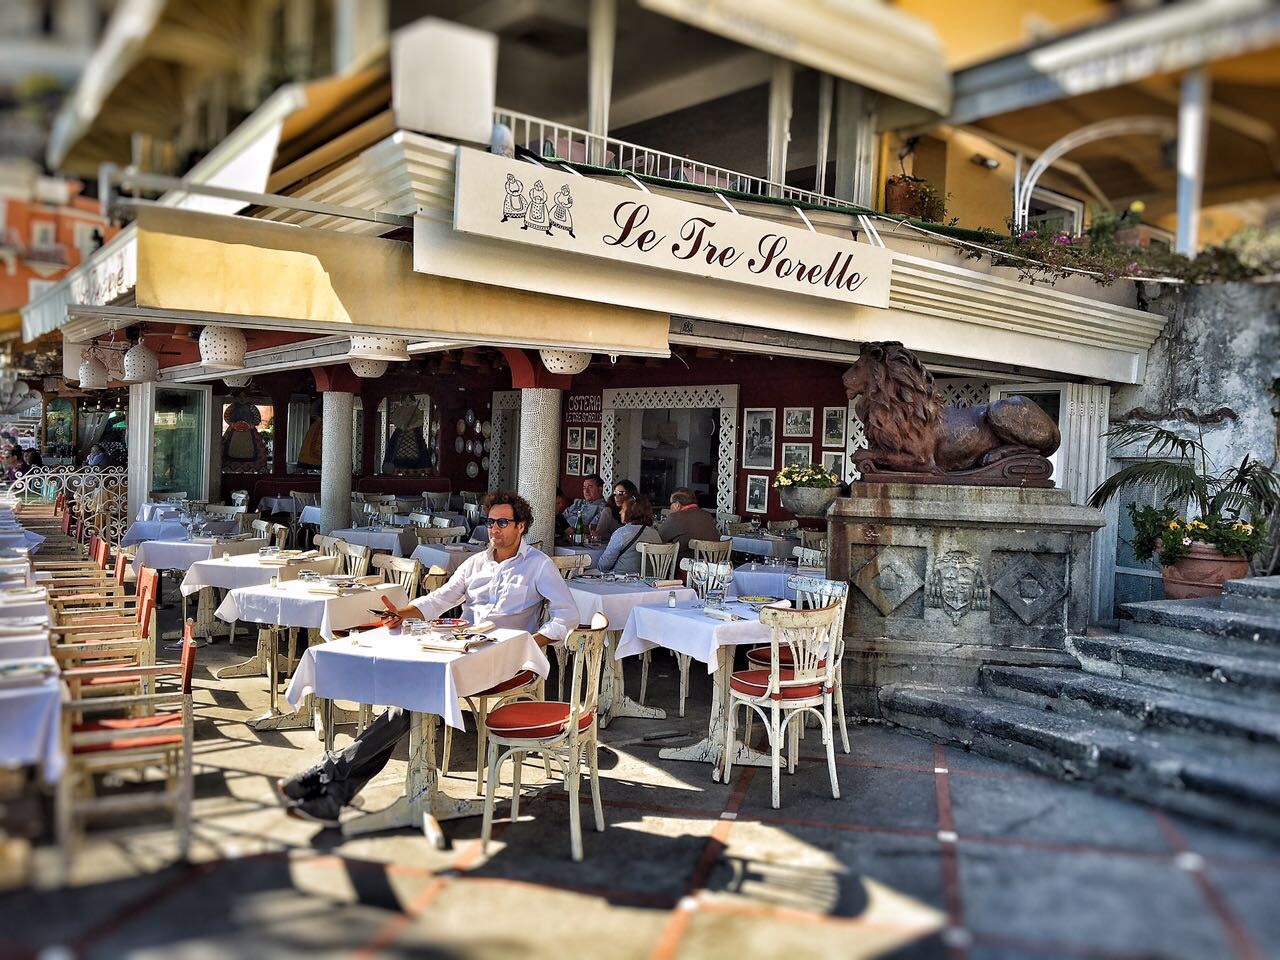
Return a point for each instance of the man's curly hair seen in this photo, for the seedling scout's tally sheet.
(520, 509)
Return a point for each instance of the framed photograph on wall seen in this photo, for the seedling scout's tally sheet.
(758, 425)
(590, 438)
(574, 440)
(797, 454)
(834, 462)
(573, 464)
(757, 493)
(797, 421)
(588, 464)
(834, 420)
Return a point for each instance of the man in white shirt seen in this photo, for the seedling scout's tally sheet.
(506, 585)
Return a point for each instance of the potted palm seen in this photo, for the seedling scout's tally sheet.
(1197, 554)
(807, 491)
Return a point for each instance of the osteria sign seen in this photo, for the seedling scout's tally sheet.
(551, 208)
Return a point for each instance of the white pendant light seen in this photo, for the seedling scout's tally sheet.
(565, 361)
(238, 380)
(141, 365)
(222, 348)
(369, 369)
(93, 374)
(369, 347)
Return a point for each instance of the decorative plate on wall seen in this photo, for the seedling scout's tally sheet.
(485, 463)
(473, 469)
(477, 429)
(459, 444)
(462, 425)
(471, 417)
(487, 429)
(477, 447)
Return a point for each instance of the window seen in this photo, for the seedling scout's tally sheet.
(1054, 213)
(44, 234)
(85, 241)
(1136, 580)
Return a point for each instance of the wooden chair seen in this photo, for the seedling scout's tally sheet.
(440, 534)
(797, 684)
(223, 512)
(572, 565)
(158, 732)
(735, 529)
(246, 521)
(658, 560)
(436, 500)
(325, 544)
(355, 558)
(279, 535)
(441, 523)
(716, 551)
(806, 557)
(562, 730)
(724, 519)
(419, 519)
(262, 528)
(782, 526)
(240, 498)
(405, 571)
(814, 592)
(435, 578)
(814, 539)
(472, 512)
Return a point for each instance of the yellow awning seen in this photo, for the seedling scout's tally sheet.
(10, 325)
(239, 270)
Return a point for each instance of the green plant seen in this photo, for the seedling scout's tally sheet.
(920, 198)
(810, 475)
(1232, 505)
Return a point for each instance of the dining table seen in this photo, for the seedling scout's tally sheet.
(766, 545)
(764, 580)
(22, 602)
(390, 667)
(398, 541)
(591, 550)
(303, 605)
(447, 556)
(616, 599)
(12, 534)
(31, 695)
(158, 511)
(711, 638)
(141, 531)
(269, 505)
(243, 570)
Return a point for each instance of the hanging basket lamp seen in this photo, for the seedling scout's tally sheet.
(141, 365)
(369, 369)
(369, 347)
(93, 373)
(565, 361)
(238, 380)
(222, 348)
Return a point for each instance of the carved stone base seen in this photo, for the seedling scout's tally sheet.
(946, 578)
(1021, 470)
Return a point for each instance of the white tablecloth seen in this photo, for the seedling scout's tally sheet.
(158, 511)
(22, 539)
(279, 505)
(31, 726)
(383, 667)
(181, 554)
(766, 547)
(311, 515)
(23, 646)
(763, 580)
(592, 552)
(23, 602)
(691, 631)
(447, 556)
(145, 530)
(247, 570)
(617, 600)
(399, 541)
(291, 605)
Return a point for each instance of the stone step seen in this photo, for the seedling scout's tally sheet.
(1133, 706)
(1203, 623)
(1256, 595)
(1214, 674)
(1238, 788)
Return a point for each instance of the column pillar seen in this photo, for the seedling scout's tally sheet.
(335, 461)
(855, 144)
(602, 26)
(540, 460)
(1193, 135)
(781, 84)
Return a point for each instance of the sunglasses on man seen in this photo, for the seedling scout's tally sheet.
(500, 522)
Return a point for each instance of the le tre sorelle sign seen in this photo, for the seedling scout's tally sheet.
(549, 207)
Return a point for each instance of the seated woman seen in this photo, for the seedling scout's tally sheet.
(611, 516)
(621, 555)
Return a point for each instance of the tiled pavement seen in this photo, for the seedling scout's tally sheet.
(930, 852)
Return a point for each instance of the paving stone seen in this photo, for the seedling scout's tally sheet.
(1250, 896)
(1090, 901)
(868, 796)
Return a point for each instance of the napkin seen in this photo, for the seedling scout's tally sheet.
(721, 614)
(450, 644)
(668, 583)
(484, 626)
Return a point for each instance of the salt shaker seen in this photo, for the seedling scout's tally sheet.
(671, 599)
(226, 555)
(274, 581)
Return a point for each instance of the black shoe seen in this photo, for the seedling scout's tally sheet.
(302, 787)
(323, 810)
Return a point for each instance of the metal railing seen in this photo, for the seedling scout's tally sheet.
(557, 141)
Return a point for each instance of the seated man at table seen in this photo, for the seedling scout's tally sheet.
(687, 521)
(589, 507)
(506, 586)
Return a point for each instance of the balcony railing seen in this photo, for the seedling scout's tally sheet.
(554, 140)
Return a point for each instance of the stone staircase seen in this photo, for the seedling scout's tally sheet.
(1180, 708)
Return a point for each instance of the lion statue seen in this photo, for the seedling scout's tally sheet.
(910, 431)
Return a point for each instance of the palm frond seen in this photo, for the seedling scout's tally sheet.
(1158, 441)
(1177, 482)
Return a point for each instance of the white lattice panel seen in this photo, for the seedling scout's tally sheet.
(506, 407)
(672, 398)
(960, 392)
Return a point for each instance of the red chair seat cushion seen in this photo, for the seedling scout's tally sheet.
(161, 723)
(519, 680)
(113, 680)
(534, 719)
(753, 683)
(760, 656)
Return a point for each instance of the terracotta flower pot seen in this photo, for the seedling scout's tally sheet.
(808, 501)
(1202, 574)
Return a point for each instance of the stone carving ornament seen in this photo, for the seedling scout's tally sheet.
(912, 437)
(956, 585)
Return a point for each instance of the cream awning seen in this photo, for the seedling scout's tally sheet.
(198, 267)
(863, 41)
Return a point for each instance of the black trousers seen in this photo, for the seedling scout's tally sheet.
(343, 774)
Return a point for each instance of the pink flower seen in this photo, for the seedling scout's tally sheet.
(1132, 267)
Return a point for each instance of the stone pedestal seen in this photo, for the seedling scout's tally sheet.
(946, 578)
